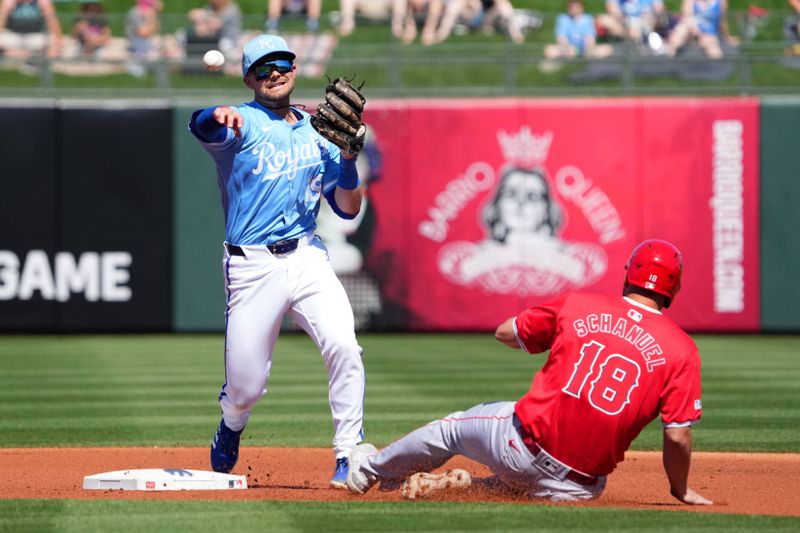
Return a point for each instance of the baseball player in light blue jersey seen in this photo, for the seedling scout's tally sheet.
(272, 169)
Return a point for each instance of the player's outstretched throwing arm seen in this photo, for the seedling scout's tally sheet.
(211, 124)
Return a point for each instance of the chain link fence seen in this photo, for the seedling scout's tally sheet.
(458, 67)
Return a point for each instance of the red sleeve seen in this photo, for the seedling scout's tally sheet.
(535, 327)
(680, 400)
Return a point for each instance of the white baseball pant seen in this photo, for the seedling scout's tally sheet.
(261, 288)
(485, 433)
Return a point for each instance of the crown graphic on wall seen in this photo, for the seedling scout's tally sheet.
(525, 149)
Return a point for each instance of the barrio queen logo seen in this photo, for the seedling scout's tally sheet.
(524, 219)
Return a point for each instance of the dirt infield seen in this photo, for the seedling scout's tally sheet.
(751, 483)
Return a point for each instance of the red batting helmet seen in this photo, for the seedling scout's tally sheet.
(656, 266)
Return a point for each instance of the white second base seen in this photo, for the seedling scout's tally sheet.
(154, 479)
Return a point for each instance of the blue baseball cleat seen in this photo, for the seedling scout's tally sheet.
(225, 448)
(339, 480)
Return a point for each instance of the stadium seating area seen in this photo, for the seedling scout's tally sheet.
(509, 48)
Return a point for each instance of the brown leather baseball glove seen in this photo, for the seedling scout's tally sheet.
(338, 118)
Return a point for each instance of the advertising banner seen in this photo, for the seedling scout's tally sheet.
(486, 207)
(86, 239)
(27, 214)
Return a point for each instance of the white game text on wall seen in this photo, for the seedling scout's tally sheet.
(99, 276)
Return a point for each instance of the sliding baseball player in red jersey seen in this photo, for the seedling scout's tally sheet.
(615, 364)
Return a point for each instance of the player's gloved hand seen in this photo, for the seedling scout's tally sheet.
(338, 118)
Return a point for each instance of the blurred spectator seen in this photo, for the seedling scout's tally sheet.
(487, 16)
(276, 8)
(29, 27)
(437, 17)
(705, 21)
(575, 37)
(752, 21)
(218, 24)
(406, 13)
(633, 19)
(91, 29)
(372, 9)
(142, 29)
(792, 29)
(442, 16)
(499, 13)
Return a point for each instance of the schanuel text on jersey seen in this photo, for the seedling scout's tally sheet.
(643, 342)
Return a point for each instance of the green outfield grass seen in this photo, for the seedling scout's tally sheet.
(161, 390)
(317, 517)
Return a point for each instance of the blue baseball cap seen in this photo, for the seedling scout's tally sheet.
(262, 46)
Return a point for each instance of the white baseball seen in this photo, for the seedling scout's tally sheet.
(214, 60)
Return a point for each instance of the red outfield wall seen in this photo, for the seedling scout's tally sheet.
(486, 207)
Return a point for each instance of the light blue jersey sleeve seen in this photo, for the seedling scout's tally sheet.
(222, 145)
(205, 127)
(210, 133)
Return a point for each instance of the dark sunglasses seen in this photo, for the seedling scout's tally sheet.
(264, 70)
